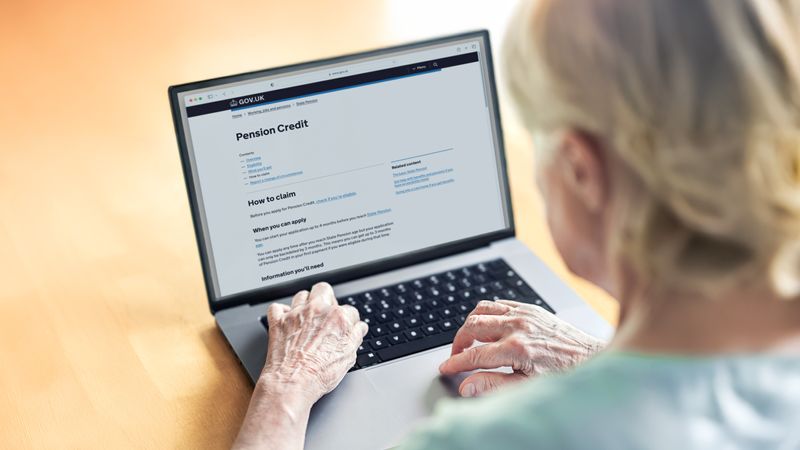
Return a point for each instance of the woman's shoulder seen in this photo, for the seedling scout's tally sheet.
(623, 401)
(518, 416)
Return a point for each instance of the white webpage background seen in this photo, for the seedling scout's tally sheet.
(364, 126)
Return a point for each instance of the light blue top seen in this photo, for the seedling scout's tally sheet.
(632, 401)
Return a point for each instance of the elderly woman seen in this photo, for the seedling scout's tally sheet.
(668, 143)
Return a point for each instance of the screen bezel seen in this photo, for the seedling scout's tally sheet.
(268, 293)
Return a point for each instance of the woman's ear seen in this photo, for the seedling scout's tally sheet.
(584, 168)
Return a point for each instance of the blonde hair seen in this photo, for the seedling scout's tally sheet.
(700, 102)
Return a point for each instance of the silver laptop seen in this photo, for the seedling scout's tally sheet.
(382, 173)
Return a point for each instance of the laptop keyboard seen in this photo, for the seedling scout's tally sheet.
(416, 315)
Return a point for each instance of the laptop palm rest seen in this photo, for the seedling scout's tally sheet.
(377, 407)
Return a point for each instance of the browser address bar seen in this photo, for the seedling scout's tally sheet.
(333, 72)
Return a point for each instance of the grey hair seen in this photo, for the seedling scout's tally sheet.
(700, 100)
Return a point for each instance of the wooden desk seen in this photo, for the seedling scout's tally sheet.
(105, 336)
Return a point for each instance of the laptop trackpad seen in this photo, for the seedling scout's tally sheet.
(412, 386)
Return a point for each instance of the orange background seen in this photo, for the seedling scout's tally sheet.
(105, 336)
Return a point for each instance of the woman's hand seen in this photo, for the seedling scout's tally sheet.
(312, 345)
(524, 337)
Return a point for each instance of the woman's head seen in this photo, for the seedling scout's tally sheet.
(668, 135)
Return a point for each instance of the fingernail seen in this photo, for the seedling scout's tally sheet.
(441, 366)
(469, 390)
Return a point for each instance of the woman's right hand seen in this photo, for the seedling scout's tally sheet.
(524, 337)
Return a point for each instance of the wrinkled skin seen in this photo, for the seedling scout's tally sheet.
(313, 343)
(523, 337)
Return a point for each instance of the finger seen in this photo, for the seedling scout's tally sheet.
(361, 330)
(484, 382)
(324, 291)
(300, 298)
(319, 306)
(275, 311)
(351, 314)
(478, 328)
(488, 307)
(357, 336)
(489, 356)
(510, 303)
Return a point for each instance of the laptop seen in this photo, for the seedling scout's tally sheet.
(382, 173)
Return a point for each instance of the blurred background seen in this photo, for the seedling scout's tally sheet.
(105, 334)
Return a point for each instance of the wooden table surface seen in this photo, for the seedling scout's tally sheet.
(105, 336)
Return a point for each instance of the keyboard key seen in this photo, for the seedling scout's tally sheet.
(418, 284)
(395, 326)
(367, 359)
(522, 287)
(384, 316)
(497, 265)
(510, 294)
(430, 317)
(401, 288)
(461, 318)
(417, 296)
(413, 321)
(385, 293)
(377, 344)
(433, 303)
(480, 278)
(482, 291)
(417, 308)
(449, 299)
(414, 334)
(447, 312)
(447, 325)
(362, 349)
(502, 275)
(383, 305)
(400, 312)
(430, 329)
(466, 295)
(450, 287)
(397, 339)
(377, 330)
(434, 280)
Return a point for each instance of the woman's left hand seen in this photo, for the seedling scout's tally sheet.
(313, 343)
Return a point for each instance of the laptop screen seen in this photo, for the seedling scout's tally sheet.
(327, 167)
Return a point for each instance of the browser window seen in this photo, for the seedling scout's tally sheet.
(310, 172)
